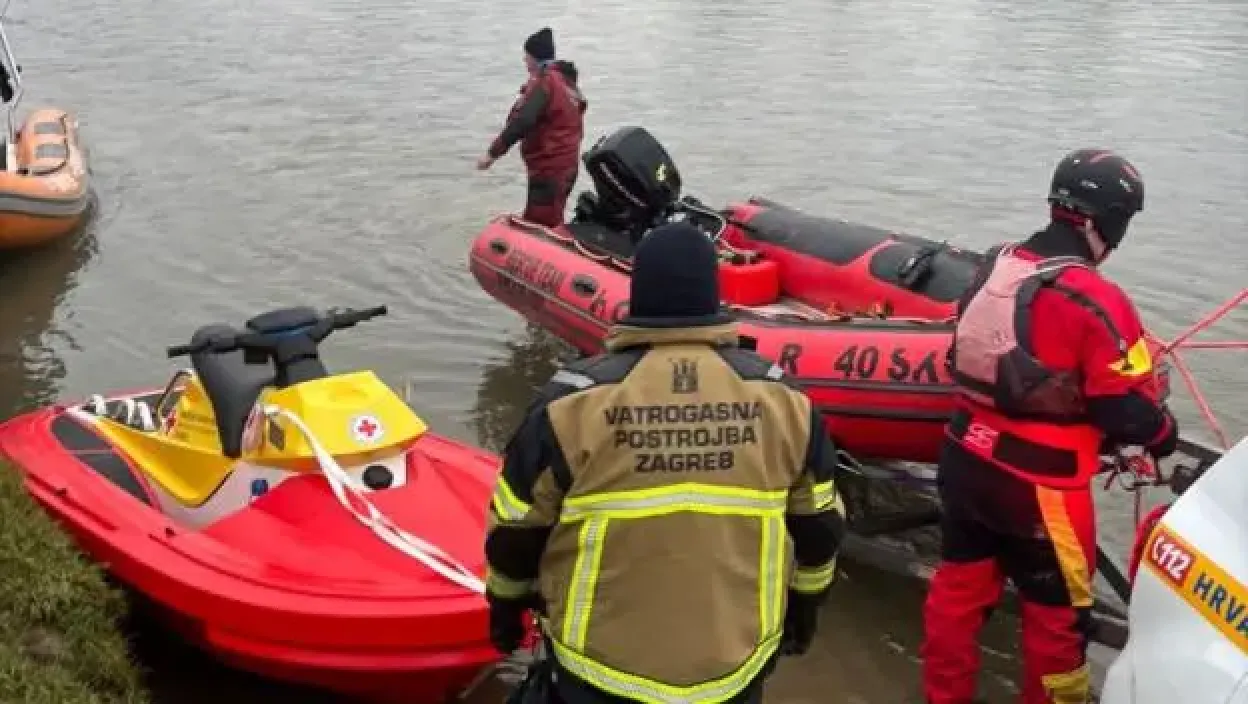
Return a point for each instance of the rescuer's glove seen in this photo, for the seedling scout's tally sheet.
(507, 623)
(800, 621)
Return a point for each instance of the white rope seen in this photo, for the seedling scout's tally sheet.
(351, 497)
(128, 411)
(144, 422)
(125, 410)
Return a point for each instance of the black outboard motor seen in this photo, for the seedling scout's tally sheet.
(637, 182)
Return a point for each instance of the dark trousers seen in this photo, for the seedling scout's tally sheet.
(547, 198)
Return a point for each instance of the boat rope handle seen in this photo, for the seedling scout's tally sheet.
(354, 500)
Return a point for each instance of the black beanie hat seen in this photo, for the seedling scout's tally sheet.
(541, 45)
(675, 275)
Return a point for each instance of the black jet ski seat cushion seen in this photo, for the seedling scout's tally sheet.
(232, 385)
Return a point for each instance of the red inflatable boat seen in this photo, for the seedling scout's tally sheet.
(271, 512)
(880, 383)
(857, 314)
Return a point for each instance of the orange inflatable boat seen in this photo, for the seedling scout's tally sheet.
(45, 188)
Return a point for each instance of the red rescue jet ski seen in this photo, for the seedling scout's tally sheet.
(296, 523)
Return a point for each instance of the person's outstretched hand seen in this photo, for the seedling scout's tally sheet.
(485, 162)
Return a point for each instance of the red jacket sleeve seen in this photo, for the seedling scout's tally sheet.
(1114, 364)
(524, 115)
(1120, 375)
(1102, 337)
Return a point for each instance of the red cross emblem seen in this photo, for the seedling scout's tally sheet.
(366, 429)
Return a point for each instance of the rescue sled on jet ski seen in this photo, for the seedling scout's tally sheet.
(301, 524)
(860, 316)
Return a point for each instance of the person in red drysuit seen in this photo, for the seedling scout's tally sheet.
(1050, 365)
(548, 120)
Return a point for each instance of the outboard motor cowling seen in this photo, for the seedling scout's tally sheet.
(636, 181)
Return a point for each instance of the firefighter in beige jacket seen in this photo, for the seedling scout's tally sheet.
(669, 505)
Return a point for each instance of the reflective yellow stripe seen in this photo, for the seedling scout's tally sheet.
(580, 602)
(508, 588)
(764, 586)
(824, 493)
(506, 504)
(812, 580)
(772, 555)
(688, 496)
(651, 692)
(1205, 585)
(1137, 361)
(596, 510)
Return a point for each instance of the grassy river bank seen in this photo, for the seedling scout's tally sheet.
(60, 637)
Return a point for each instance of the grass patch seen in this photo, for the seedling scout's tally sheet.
(60, 641)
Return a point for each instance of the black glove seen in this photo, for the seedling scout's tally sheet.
(800, 621)
(507, 623)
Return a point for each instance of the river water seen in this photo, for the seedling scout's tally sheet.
(255, 155)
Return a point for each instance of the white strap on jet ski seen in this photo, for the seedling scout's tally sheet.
(352, 498)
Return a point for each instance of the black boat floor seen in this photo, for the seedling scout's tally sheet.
(601, 239)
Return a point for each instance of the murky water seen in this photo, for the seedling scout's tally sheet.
(252, 155)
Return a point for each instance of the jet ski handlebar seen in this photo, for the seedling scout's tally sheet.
(265, 331)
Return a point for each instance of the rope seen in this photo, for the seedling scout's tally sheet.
(1170, 351)
(1138, 471)
(352, 498)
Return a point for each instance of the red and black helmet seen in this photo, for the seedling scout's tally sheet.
(1101, 186)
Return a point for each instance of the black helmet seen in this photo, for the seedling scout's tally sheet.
(1101, 186)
